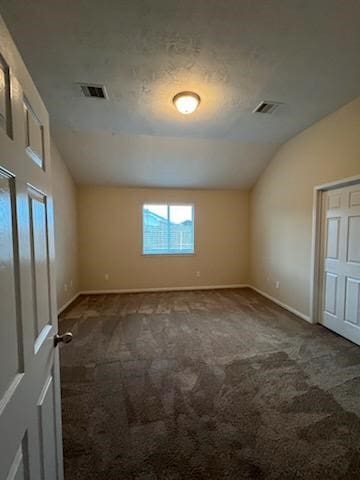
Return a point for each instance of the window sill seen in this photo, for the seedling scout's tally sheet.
(168, 254)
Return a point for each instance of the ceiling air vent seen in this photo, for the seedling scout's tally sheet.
(93, 91)
(266, 107)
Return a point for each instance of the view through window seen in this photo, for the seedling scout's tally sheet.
(168, 229)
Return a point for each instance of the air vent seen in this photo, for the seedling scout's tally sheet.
(266, 107)
(94, 91)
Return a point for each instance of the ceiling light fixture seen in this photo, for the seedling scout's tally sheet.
(186, 102)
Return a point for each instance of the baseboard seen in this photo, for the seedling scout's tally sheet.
(282, 304)
(63, 307)
(163, 289)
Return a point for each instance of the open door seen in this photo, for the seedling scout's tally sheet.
(30, 411)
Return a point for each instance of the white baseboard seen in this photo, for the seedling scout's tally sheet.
(282, 304)
(162, 289)
(63, 307)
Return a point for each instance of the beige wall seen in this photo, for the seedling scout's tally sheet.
(110, 239)
(66, 238)
(282, 201)
(280, 223)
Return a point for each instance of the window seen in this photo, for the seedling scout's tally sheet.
(168, 229)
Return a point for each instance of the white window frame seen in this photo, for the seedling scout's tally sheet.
(168, 205)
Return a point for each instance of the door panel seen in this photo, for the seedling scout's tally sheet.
(11, 352)
(5, 104)
(355, 198)
(341, 262)
(330, 293)
(334, 201)
(333, 225)
(352, 301)
(47, 427)
(20, 465)
(353, 239)
(39, 259)
(34, 133)
(3, 87)
(30, 413)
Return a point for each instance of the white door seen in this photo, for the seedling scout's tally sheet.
(341, 262)
(30, 414)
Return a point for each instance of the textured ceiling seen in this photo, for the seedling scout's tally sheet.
(233, 53)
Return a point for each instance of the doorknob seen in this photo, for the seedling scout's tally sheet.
(65, 338)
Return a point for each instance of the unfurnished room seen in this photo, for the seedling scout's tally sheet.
(179, 240)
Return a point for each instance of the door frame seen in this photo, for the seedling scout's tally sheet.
(315, 284)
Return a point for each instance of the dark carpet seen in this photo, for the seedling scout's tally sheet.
(206, 385)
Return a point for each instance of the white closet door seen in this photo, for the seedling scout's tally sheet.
(341, 262)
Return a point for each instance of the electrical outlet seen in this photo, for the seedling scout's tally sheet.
(106, 276)
(277, 284)
(198, 274)
(71, 283)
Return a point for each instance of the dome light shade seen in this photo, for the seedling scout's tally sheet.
(186, 102)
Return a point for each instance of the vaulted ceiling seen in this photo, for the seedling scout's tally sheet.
(233, 53)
